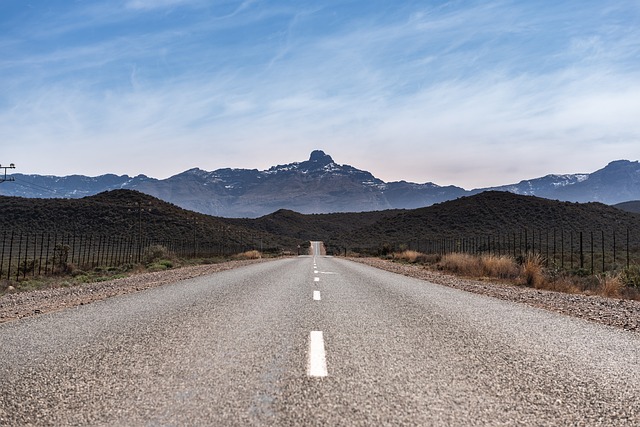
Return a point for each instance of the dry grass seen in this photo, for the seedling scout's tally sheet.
(610, 286)
(249, 255)
(531, 273)
(502, 267)
(463, 264)
(407, 256)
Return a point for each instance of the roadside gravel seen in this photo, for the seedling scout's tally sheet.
(620, 313)
(24, 304)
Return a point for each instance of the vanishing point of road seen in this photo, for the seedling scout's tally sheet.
(314, 340)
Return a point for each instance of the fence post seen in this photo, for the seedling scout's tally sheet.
(547, 256)
(35, 256)
(614, 248)
(592, 266)
(571, 250)
(19, 257)
(603, 263)
(554, 247)
(46, 262)
(628, 248)
(581, 252)
(4, 238)
(26, 256)
(11, 255)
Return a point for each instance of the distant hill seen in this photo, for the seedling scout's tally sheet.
(632, 206)
(320, 185)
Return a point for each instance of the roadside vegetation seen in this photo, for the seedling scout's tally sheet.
(154, 258)
(529, 271)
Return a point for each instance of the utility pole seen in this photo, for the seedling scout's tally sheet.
(5, 179)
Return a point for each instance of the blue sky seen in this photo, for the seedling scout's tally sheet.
(470, 93)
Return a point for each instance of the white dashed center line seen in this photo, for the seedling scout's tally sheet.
(317, 366)
(316, 295)
(316, 279)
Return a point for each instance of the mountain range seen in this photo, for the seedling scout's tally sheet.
(319, 185)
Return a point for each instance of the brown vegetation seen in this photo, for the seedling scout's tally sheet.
(531, 272)
(253, 254)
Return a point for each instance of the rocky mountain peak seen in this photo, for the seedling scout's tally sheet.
(319, 156)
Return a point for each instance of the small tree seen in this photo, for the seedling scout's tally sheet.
(61, 258)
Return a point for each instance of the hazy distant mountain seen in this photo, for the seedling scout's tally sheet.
(630, 206)
(319, 185)
(618, 182)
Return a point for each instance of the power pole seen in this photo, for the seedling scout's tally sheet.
(5, 179)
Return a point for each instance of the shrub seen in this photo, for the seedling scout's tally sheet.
(631, 276)
(249, 255)
(464, 264)
(28, 266)
(532, 272)
(610, 286)
(407, 256)
(429, 258)
(502, 267)
(167, 263)
(61, 257)
(155, 253)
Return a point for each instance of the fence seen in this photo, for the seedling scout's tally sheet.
(584, 252)
(23, 254)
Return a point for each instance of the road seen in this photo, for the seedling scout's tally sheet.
(314, 340)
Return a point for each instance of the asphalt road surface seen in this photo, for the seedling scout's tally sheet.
(314, 341)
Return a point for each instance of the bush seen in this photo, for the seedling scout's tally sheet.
(464, 264)
(28, 266)
(407, 256)
(60, 258)
(249, 255)
(429, 258)
(610, 286)
(154, 253)
(502, 267)
(631, 276)
(532, 274)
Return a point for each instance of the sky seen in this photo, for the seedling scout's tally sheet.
(468, 93)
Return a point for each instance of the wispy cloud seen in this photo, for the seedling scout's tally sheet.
(477, 94)
(159, 4)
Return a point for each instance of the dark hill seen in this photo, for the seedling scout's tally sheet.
(125, 213)
(492, 213)
(314, 226)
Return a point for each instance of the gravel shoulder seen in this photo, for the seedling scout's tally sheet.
(25, 304)
(619, 313)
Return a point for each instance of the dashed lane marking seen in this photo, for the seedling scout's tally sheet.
(316, 295)
(317, 366)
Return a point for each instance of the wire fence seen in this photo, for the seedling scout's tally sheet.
(25, 255)
(583, 252)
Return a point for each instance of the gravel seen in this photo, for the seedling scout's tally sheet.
(620, 313)
(18, 305)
